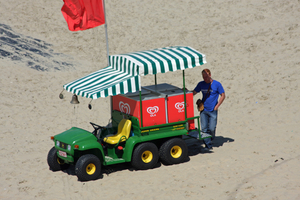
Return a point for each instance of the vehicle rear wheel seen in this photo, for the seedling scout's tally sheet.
(173, 151)
(145, 156)
(88, 167)
(54, 162)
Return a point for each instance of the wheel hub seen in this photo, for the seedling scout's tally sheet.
(176, 151)
(147, 156)
(90, 169)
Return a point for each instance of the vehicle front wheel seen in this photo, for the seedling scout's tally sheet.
(88, 167)
(173, 151)
(145, 156)
(54, 162)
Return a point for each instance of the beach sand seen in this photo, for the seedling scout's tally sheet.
(252, 48)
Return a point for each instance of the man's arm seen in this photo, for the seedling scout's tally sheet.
(220, 101)
(194, 92)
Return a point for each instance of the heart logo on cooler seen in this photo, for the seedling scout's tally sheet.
(153, 110)
(124, 107)
(180, 106)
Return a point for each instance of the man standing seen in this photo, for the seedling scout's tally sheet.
(211, 90)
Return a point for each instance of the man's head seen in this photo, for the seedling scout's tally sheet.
(206, 75)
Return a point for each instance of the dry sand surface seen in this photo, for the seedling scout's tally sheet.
(252, 48)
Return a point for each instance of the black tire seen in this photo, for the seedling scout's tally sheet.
(145, 156)
(88, 167)
(54, 162)
(173, 151)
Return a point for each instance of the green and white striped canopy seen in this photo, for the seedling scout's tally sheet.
(123, 75)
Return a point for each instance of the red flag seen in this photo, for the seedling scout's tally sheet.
(83, 14)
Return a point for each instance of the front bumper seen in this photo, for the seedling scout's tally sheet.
(68, 159)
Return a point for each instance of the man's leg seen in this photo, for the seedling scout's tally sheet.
(212, 123)
(204, 118)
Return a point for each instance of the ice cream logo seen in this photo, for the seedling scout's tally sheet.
(153, 110)
(124, 107)
(180, 106)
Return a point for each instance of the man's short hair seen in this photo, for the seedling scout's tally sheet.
(206, 71)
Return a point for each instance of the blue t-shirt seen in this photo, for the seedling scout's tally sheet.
(212, 97)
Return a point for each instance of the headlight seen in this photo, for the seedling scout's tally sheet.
(57, 143)
(69, 147)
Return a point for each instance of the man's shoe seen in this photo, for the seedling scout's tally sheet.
(207, 149)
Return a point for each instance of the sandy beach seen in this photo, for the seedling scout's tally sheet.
(251, 47)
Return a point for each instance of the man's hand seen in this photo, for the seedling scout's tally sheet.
(220, 101)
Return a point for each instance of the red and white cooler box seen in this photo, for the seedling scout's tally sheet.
(161, 104)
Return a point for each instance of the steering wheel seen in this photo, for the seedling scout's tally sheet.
(96, 127)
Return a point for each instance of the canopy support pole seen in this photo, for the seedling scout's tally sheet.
(141, 108)
(184, 93)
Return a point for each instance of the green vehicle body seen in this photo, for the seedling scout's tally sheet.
(88, 143)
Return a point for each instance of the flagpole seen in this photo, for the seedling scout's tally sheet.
(105, 25)
(108, 63)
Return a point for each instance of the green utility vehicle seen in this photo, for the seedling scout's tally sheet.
(147, 123)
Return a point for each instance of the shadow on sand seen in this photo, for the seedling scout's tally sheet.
(196, 146)
(107, 170)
